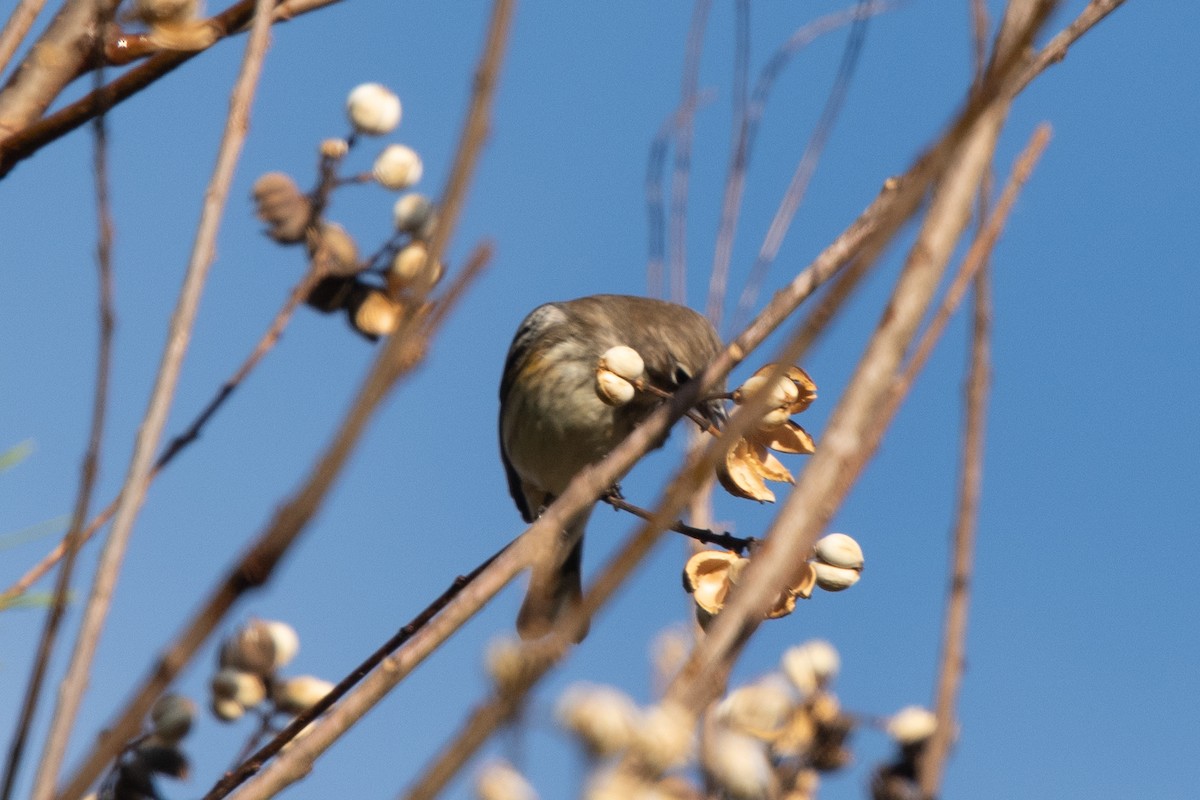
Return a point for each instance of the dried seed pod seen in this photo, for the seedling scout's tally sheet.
(787, 438)
(835, 579)
(410, 270)
(811, 665)
(760, 709)
(171, 717)
(664, 737)
(603, 718)
(411, 213)
(245, 688)
(911, 725)
(799, 397)
(374, 314)
(249, 649)
(295, 695)
(499, 780)
(741, 476)
(397, 167)
(706, 576)
(373, 109)
(839, 550)
(624, 362)
(285, 639)
(281, 205)
(737, 764)
(334, 250)
(227, 710)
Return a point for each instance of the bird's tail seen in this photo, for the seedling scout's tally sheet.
(555, 586)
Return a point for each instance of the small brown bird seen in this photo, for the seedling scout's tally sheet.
(553, 423)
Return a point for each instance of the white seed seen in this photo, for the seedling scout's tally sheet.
(603, 718)
(300, 693)
(774, 418)
(249, 649)
(171, 717)
(377, 314)
(410, 269)
(397, 167)
(227, 710)
(810, 665)
(373, 109)
(411, 212)
(285, 639)
(623, 361)
(245, 688)
(499, 780)
(835, 579)
(738, 764)
(839, 550)
(613, 389)
(912, 724)
(663, 738)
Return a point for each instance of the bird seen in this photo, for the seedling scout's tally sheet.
(553, 423)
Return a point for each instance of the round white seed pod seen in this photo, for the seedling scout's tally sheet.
(613, 389)
(300, 693)
(774, 418)
(334, 149)
(411, 212)
(499, 780)
(835, 579)
(377, 314)
(244, 688)
(249, 649)
(410, 269)
(172, 716)
(623, 361)
(603, 718)
(912, 724)
(285, 639)
(373, 109)
(810, 665)
(664, 737)
(227, 710)
(738, 764)
(397, 167)
(839, 550)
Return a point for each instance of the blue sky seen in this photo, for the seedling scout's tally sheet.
(1083, 641)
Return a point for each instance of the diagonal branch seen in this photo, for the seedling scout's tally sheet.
(133, 491)
(17, 27)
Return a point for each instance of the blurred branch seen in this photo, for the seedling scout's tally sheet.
(683, 133)
(16, 29)
(134, 488)
(91, 459)
(1056, 49)
(798, 186)
(728, 541)
(953, 658)
(29, 136)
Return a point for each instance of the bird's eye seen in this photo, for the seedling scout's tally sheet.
(681, 375)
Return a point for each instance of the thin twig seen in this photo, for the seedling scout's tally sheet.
(29, 136)
(16, 28)
(134, 487)
(1056, 49)
(793, 196)
(190, 434)
(684, 131)
(736, 544)
(91, 460)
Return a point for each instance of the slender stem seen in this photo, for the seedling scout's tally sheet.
(17, 27)
(730, 542)
(91, 460)
(134, 487)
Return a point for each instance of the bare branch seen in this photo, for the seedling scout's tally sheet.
(17, 27)
(133, 490)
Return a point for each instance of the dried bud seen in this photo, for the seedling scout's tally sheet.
(334, 149)
(375, 314)
(397, 167)
(410, 270)
(835, 579)
(738, 764)
(759, 709)
(810, 665)
(281, 205)
(334, 250)
(245, 688)
(623, 361)
(603, 718)
(171, 717)
(839, 550)
(301, 693)
(499, 780)
(411, 213)
(612, 389)
(373, 109)
(227, 710)
(663, 738)
(911, 725)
